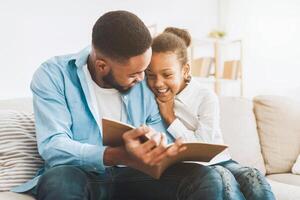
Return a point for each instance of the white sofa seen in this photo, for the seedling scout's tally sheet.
(249, 128)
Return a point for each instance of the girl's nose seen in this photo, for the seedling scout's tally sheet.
(158, 83)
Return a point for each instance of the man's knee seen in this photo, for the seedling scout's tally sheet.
(62, 176)
(62, 180)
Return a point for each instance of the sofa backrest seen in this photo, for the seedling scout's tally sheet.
(18, 148)
(239, 129)
(238, 126)
(19, 104)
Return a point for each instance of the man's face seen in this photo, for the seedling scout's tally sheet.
(124, 76)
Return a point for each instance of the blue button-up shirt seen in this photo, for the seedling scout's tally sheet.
(66, 127)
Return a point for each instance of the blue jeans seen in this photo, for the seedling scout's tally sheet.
(184, 181)
(243, 182)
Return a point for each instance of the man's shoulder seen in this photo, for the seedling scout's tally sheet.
(54, 71)
(57, 62)
(67, 61)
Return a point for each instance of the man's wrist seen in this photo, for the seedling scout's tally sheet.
(115, 156)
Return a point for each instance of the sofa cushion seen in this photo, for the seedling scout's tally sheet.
(284, 191)
(296, 166)
(19, 158)
(287, 178)
(15, 196)
(238, 126)
(278, 121)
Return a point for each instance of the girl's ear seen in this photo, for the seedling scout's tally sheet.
(186, 73)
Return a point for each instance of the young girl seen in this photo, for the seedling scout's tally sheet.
(192, 113)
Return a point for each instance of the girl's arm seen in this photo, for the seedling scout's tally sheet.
(205, 124)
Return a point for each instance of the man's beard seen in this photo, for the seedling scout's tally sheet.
(110, 79)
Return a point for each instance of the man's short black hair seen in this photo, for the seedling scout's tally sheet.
(120, 35)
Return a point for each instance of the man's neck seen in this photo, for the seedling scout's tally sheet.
(97, 78)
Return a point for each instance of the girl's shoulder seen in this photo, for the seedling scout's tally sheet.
(196, 88)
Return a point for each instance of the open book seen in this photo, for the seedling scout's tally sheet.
(112, 132)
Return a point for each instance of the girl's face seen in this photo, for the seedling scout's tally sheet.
(165, 75)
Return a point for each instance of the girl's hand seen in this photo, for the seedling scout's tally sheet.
(166, 110)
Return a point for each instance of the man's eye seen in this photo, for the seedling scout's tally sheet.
(168, 75)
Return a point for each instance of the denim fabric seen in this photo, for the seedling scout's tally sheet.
(184, 181)
(230, 185)
(243, 182)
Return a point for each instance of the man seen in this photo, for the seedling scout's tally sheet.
(72, 93)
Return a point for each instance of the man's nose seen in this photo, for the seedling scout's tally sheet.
(140, 77)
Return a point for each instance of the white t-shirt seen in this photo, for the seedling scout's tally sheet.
(107, 102)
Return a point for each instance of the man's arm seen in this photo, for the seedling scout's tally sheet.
(53, 124)
(116, 156)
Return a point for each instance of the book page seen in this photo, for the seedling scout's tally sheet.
(113, 131)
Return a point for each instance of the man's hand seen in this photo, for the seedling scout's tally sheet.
(149, 152)
(166, 109)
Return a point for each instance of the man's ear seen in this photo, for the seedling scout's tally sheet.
(102, 67)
